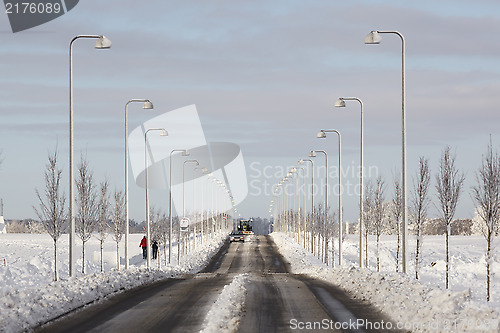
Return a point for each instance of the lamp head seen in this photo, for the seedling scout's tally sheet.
(204, 170)
(312, 153)
(301, 162)
(185, 153)
(321, 134)
(147, 105)
(163, 132)
(373, 38)
(102, 43)
(340, 103)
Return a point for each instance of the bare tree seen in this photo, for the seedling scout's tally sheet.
(396, 211)
(419, 205)
(319, 219)
(52, 210)
(487, 196)
(449, 182)
(118, 220)
(378, 213)
(86, 214)
(157, 229)
(164, 229)
(368, 209)
(102, 217)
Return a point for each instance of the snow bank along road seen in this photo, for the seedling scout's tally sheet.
(274, 300)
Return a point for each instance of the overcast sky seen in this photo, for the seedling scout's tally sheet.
(262, 74)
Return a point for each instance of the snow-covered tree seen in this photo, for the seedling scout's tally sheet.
(52, 211)
(449, 182)
(102, 217)
(118, 220)
(158, 229)
(378, 213)
(86, 203)
(319, 227)
(419, 204)
(396, 211)
(368, 214)
(487, 197)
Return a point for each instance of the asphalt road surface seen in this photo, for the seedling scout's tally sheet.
(276, 301)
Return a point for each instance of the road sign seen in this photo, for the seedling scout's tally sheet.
(185, 224)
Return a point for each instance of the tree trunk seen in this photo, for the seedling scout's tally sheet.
(398, 227)
(102, 245)
(488, 257)
(378, 251)
(55, 259)
(83, 258)
(447, 255)
(312, 240)
(326, 250)
(165, 252)
(118, 255)
(366, 249)
(417, 254)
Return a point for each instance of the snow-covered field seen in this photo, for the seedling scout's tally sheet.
(423, 306)
(28, 295)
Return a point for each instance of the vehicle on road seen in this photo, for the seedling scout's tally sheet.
(236, 236)
(245, 226)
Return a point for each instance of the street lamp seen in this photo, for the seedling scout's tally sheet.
(163, 132)
(374, 38)
(101, 43)
(313, 154)
(340, 103)
(184, 153)
(147, 106)
(322, 135)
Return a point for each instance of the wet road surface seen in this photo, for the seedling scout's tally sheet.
(276, 301)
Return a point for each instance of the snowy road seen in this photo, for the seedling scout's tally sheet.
(276, 301)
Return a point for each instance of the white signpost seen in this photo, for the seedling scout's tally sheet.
(185, 224)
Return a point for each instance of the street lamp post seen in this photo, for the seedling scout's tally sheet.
(313, 154)
(147, 106)
(101, 43)
(340, 103)
(322, 134)
(374, 38)
(163, 132)
(184, 153)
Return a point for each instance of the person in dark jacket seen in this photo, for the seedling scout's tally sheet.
(144, 245)
(155, 249)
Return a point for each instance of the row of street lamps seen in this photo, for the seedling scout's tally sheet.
(372, 38)
(104, 43)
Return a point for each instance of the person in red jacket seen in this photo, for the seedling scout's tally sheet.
(144, 245)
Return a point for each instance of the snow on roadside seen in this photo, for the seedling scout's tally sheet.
(225, 313)
(411, 304)
(28, 306)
